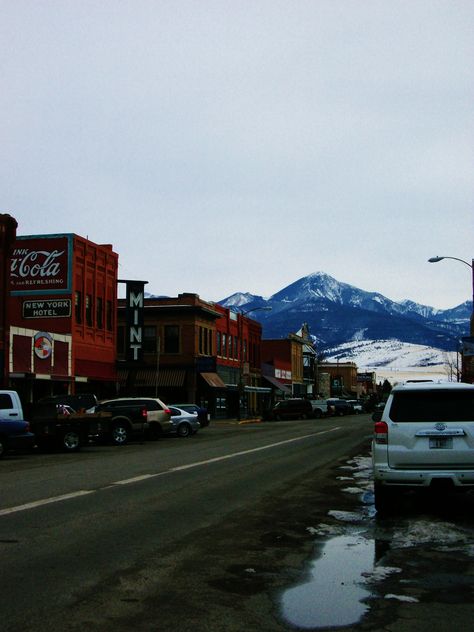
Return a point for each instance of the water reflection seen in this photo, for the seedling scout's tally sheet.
(335, 593)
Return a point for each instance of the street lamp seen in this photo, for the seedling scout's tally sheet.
(465, 365)
(470, 265)
(263, 308)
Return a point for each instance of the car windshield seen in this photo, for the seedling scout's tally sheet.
(432, 406)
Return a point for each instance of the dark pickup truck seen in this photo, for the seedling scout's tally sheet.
(146, 417)
(59, 426)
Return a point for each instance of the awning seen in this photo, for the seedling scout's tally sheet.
(284, 388)
(166, 378)
(257, 389)
(213, 380)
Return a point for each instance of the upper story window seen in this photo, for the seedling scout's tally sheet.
(89, 310)
(100, 313)
(149, 339)
(78, 306)
(171, 341)
(219, 343)
(109, 316)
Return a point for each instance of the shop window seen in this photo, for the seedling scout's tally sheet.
(171, 342)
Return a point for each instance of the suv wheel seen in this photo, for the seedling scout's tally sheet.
(119, 433)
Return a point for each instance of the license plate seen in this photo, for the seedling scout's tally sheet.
(441, 443)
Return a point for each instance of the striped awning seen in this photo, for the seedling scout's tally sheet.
(164, 378)
(213, 380)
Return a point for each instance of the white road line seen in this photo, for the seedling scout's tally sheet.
(45, 501)
(234, 454)
(143, 477)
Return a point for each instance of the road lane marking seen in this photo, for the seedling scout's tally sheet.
(142, 477)
(45, 501)
(243, 452)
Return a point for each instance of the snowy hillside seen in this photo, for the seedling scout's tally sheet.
(395, 360)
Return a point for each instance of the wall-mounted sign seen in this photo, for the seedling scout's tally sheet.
(134, 307)
(43, 345)
(41, 264)
(60, 308)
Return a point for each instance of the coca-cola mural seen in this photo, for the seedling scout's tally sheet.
(41, 265)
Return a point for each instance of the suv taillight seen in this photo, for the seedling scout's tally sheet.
(381, 433)
(167, 411)
(144, 414)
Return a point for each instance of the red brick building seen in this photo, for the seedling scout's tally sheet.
(62, 316)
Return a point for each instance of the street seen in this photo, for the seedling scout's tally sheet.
(213, 533)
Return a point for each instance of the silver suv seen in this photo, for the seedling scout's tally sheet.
(423, 437)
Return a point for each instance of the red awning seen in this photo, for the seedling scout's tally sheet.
(213, 380)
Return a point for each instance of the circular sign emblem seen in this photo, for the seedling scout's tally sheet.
(43, 344)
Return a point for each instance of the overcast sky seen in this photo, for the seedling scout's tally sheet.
(225, 146)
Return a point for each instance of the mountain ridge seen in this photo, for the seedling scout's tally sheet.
(338, 313)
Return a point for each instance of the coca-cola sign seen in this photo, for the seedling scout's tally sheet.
(41, 265)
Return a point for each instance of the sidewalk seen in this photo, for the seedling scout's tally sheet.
(235, 421)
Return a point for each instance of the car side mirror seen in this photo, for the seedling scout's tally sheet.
(377, 415)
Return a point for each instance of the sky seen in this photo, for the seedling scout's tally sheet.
(224, 146)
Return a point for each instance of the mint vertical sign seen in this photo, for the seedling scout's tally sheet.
(135, 300)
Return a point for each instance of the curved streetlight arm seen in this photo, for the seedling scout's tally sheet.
(436, 259)
(470, 265)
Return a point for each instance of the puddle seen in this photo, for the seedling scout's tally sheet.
(335, 594)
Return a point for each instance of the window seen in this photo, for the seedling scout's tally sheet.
(78, 306)
(231, 347)
(171, 342)
(236, 348)
(120, 339)
(5, 401)
(109, 320)
(219, 343)
(89, 309)
(209, 338)
(149, 339)
(224, 345)
(100, 313)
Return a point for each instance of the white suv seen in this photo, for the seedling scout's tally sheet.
(423, 437)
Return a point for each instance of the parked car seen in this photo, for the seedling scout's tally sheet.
(340, 406)
(184, 423)
(202, 413)
(357, 406)
(292, 409)
(144, 416)
(320, 408)
(15, 435)
(423, 437)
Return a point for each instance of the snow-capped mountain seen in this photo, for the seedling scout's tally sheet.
(339, 313)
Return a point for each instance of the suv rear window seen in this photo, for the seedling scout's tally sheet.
(432, 406)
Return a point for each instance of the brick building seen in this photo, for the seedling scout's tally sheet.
(61, 314)
(193, 351)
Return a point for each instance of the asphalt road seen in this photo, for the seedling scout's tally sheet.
(86, 539)
(202, 534)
